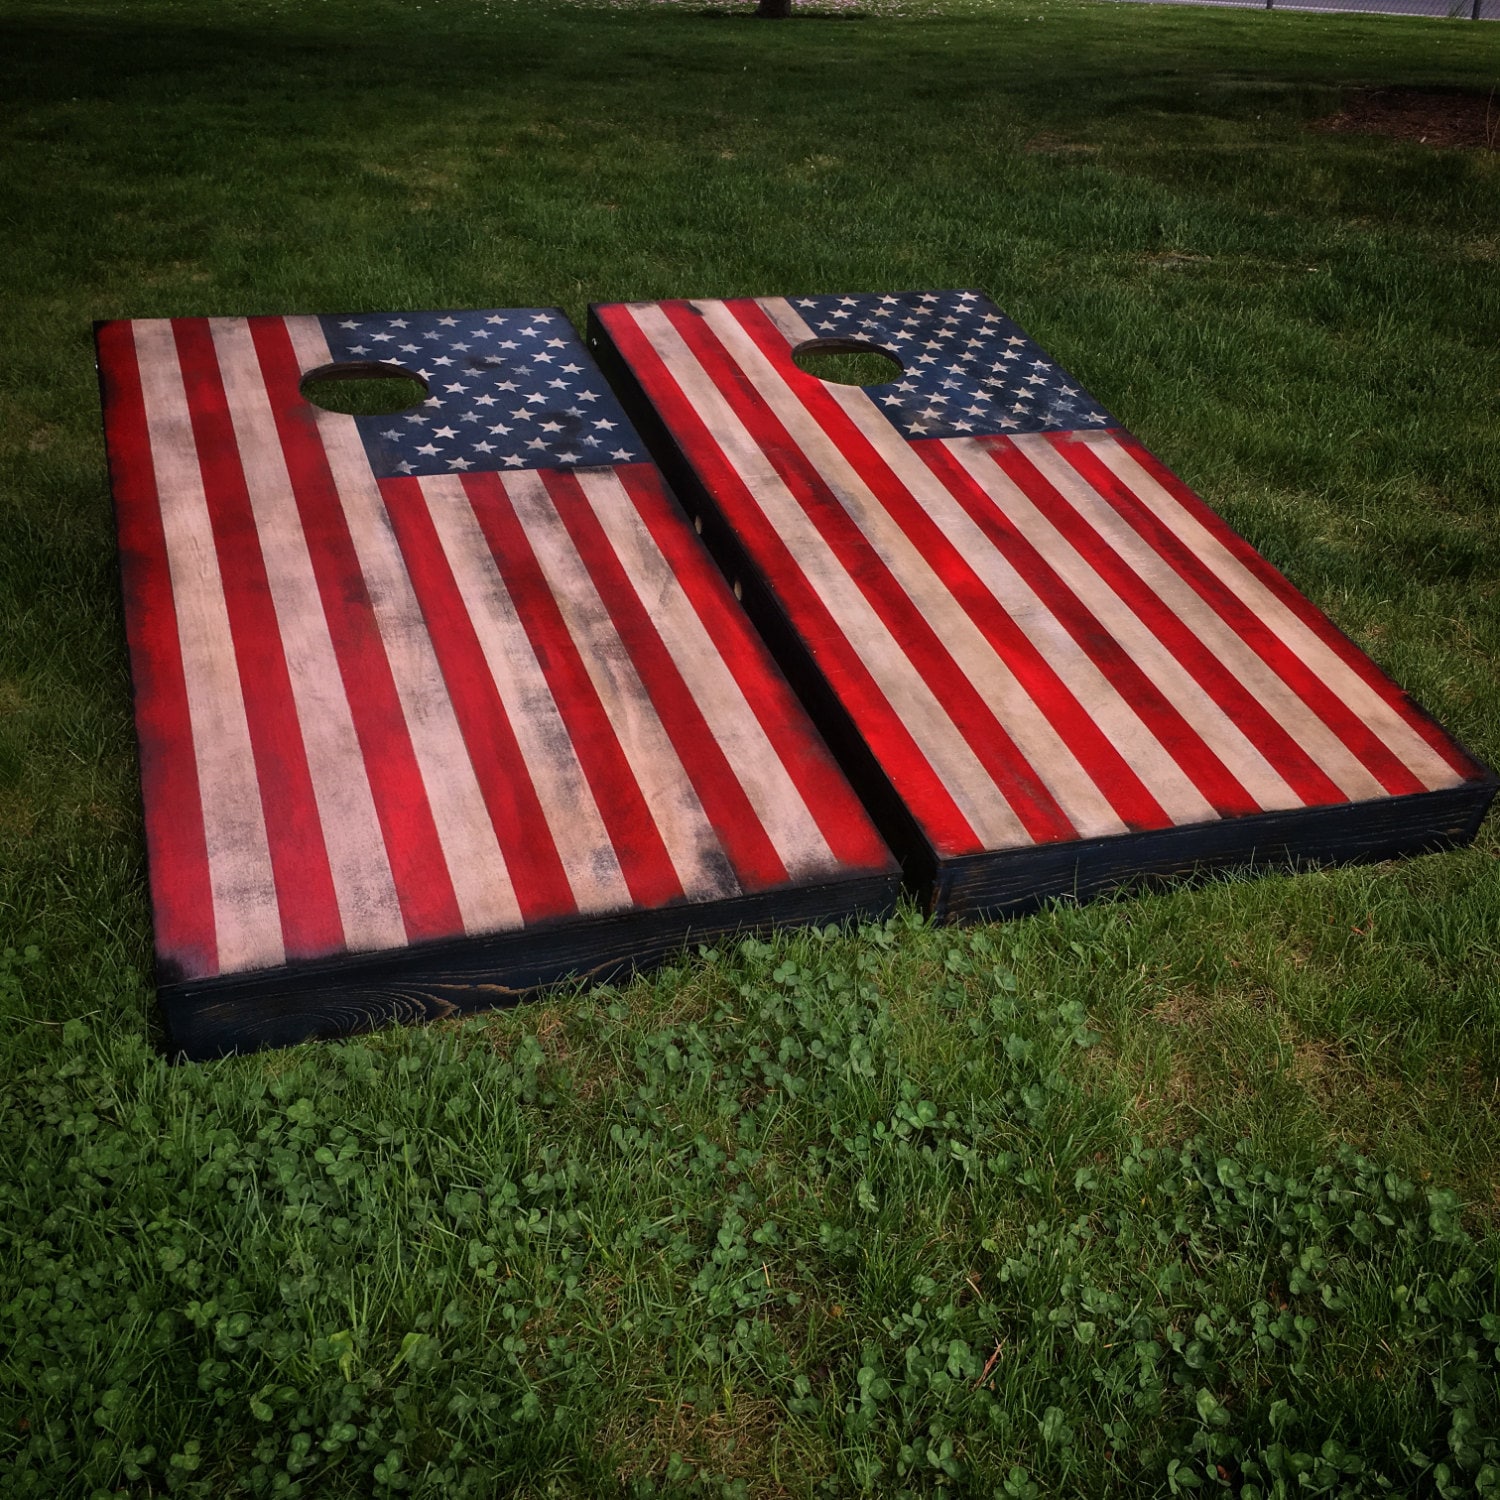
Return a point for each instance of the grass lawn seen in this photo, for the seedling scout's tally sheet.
(1196, 1190)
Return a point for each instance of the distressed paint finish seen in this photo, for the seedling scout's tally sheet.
(437, 707)
(1047, 665)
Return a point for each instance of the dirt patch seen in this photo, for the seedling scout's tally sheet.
(1428, 117)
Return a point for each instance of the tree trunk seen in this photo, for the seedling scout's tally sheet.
(774, 10)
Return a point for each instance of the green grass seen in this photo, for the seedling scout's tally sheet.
(1198, 1189)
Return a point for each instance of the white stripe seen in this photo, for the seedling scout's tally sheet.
(1048, 754)
(963, 775)
(1327, 751)
(578, 832)
(1100, 698)
(1219, 732)
(369, 908)
(783, 814)
(247, 919)
(1384, 721)
(481, 882)
(691, 843)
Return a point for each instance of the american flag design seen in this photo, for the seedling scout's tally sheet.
(478, 677)
(1039, 633)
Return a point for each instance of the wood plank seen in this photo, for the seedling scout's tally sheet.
(438, 706)
(1046, 665)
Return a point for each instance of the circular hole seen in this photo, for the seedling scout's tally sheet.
(846, 362)
(363, 389)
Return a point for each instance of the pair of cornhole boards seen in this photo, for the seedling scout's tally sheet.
(440, 706)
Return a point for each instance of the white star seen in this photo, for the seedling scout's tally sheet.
(408, 348)
(513, 461)
(508, 344)
(484, 447)
(462, 348)
(443, 360)
(484, 401)
(393, 435)
(381, 338)
(557, 385)
(349, 323)
(542, 359)
(507, 385)
(456, 386)
(551, 426)
(500, 429)
(537, 443)
(358, 349)
(469, 416)
(605, 425)
(572, 369)
(537, 399)
(447, 322)
(567, 458)
(621, 454)
(398, 323)
(430, 449)
(588, 395)
(460, 463)
(556, 344)
(416, 417)
(543, 318)
(429, 334)
(521, 414)
(405, 467)
(1013, 341)
(494, 318)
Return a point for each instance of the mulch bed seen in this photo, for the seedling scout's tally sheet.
(1427, 117)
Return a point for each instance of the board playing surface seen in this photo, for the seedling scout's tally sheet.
(437, 705)
(1046, 663)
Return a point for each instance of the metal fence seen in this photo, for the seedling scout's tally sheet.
(1469, 10)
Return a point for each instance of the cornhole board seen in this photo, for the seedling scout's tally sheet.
(1045, 663)
(438, 707)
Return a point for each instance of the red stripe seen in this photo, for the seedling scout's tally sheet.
(429, 908)
(1304, 609)
(751, 854)
(987, 738)
(182, 903)
(1110, 772)
(1196, 759)
(900, 757)
(510, 797)
(638, 845)
(1361, 740)
(1305, 777)
(305, 895)
(840, 818)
